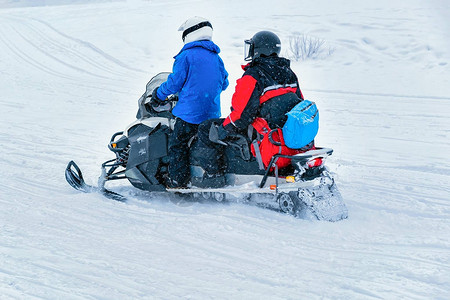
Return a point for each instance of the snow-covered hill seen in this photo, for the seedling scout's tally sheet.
(71, 76)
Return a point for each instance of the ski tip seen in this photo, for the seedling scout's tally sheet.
(75, 178)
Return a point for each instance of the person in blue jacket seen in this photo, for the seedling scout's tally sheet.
(199, 76)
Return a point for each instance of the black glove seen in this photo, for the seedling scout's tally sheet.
(155, 100)
(217, 133)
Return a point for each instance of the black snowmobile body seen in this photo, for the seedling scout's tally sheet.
(306, 188)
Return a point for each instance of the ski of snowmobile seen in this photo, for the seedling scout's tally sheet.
(75, 178)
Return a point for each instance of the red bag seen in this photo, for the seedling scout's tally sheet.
(271, 143)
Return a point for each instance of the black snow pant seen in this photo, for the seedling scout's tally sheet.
(179, 170)
(212, 154)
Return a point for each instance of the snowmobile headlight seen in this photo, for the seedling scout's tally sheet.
(114, 145)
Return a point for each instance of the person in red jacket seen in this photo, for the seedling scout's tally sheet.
(268, 89)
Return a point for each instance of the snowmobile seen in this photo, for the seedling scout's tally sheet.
(305, 189)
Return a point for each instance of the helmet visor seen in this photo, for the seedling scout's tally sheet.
(249, 50)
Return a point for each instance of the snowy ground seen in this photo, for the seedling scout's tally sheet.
(71, 76)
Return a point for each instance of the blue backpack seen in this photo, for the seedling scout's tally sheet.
(302, 125)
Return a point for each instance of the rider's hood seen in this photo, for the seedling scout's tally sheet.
(208, 45)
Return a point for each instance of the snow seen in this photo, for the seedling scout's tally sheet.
(71, 76)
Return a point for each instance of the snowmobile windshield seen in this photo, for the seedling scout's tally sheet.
(155, 82)
(249, 50)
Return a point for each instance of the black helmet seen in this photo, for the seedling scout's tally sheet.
(262, 43)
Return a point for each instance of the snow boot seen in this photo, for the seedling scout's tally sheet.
(202, 179)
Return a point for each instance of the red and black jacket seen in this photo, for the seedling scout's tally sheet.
(268, 89)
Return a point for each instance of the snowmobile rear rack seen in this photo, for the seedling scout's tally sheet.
(301, 157)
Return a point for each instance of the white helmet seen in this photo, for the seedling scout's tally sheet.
(196, 29)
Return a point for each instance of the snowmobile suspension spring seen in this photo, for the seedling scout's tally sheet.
(122, 157)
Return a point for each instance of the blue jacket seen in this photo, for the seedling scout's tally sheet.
(199, 76)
